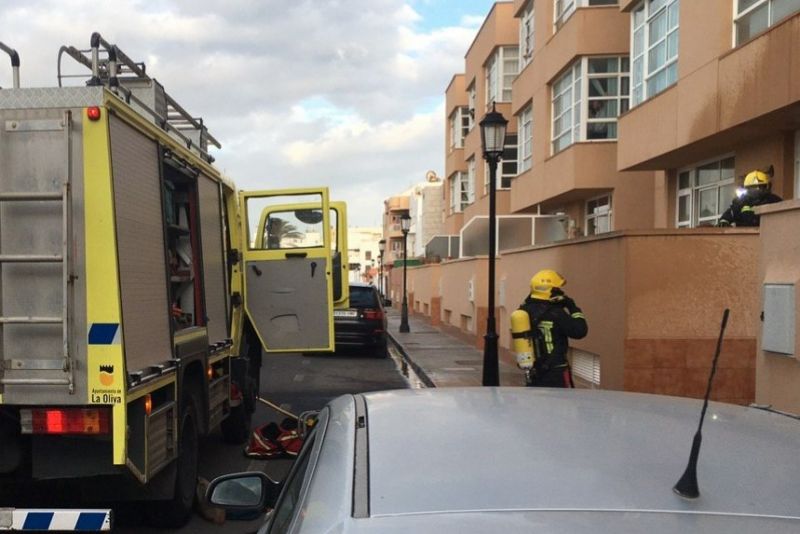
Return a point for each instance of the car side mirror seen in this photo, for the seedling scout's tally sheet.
(243, 495)
(387, 302)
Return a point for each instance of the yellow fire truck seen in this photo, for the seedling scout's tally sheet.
(134, 300)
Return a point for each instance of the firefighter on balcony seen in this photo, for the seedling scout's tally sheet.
(541, 329)
(757, 193)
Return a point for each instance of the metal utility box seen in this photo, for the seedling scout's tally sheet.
(778, 327)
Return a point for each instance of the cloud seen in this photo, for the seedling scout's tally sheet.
(344, 93)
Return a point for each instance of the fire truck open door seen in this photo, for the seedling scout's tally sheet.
(288, 289)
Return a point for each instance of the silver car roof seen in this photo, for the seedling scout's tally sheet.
(570, 459)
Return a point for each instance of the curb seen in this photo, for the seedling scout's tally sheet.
(420, 372)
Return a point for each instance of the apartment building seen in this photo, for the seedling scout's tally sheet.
(633, 123)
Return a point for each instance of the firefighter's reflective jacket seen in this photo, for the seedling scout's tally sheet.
(742, 210)
(557, 322)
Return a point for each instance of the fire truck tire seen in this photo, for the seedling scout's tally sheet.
(175, 512)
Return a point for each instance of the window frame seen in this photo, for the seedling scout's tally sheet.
(502, 176)
(458, 128)
(468, 186)
(527, 35)
(578, 130)
(498, 81)
(525, 132)
(587, 216)
(695, 189)
(471, 100)
(750, 10)
(645, 26)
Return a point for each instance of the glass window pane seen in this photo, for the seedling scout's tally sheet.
(655, 5)
(783, 8)
(601, 130)
(672, 74)
(638, 16)
(708, 202)
(657, 57)
(638, 42)
(672, 45)
(673, 15)
(658, 28)
(638, 71)
(728, 168)
(625, 88)
(708, 174)
(625, 65)
(623, 106)
(684, 180)
(603, 87)
(683, 208)
(657, 83)
(751, 24)
(602, 109)
(741, 5)
(598, 65)
(726, 195)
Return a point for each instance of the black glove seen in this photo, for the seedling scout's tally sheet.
(559, 298)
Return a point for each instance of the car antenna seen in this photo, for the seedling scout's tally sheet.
(687, 485)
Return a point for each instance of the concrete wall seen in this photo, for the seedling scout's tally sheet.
(778, 375)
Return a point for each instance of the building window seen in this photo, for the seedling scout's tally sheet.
(704, 193)
(456, 182)
(589, 111)
(526, 34)
(608, 90)
(754, 16)
(471, 103)
(468, 184)
(567, 108)
(525, 129)
(367, 255)
(501, 70)
(565, 8)
(655, 47)
(507, 167)
(598, 215)
(459, 127)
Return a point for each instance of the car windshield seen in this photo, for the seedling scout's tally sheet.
(363, 297)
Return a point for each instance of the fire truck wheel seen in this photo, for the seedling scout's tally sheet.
(175, 512)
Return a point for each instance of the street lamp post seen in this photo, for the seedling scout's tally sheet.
(493, 136)
(405, 225)
(381, 249)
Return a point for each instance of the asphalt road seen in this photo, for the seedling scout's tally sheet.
(297, 384)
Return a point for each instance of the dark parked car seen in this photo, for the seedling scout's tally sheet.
(363, 324)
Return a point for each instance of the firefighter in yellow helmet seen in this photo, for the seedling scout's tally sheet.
(757, 193)
(554, 318)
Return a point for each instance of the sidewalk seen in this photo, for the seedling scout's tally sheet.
(442, 360)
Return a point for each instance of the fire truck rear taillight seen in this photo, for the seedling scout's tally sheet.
(374, 315)
(71, 421)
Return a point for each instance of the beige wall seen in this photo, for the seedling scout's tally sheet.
(654, 301)
(724, 97)
(778, 375)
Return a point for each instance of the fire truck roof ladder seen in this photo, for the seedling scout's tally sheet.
(111, 67)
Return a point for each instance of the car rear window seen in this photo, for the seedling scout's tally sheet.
(363, 297)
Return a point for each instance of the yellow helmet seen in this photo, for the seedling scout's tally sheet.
(543, 283)
(756, 178)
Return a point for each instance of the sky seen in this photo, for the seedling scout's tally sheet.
(347, 94)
